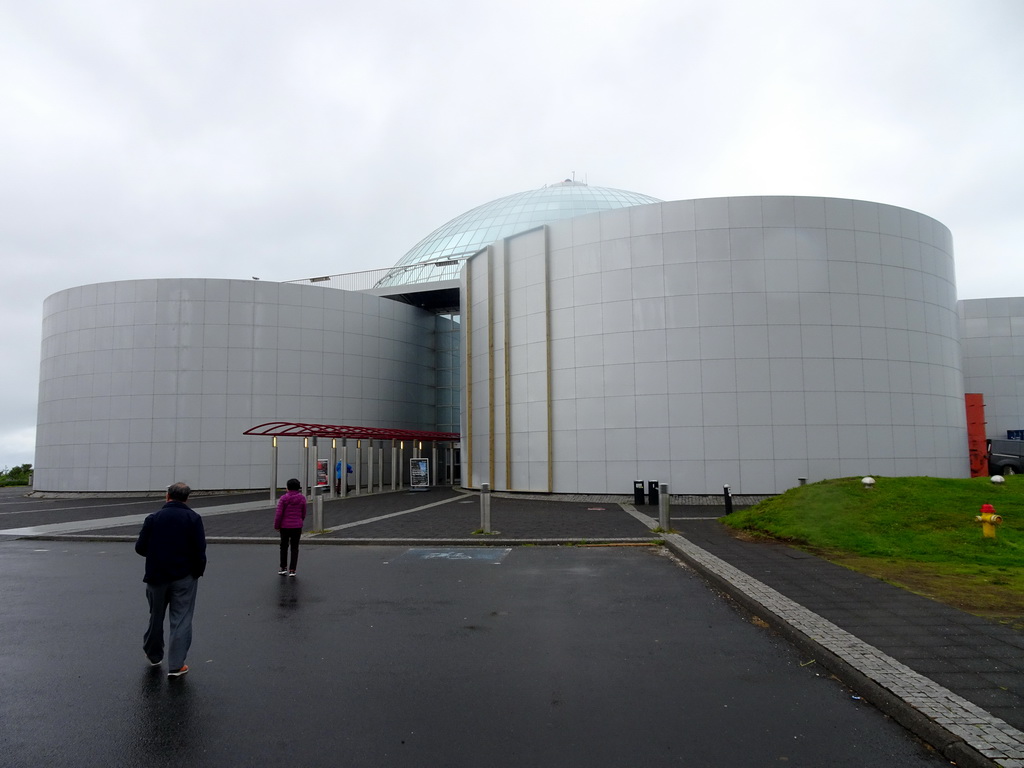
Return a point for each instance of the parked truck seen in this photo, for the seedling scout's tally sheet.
(1006, 457)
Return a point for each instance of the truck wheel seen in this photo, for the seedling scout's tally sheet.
(1009, 470)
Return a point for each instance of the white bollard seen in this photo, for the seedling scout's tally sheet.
(318, 510)
(663, 519)
(485, 507)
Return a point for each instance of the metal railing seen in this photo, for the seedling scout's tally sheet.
(448, 269)
(348, 281)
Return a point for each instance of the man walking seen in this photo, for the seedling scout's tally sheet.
(173, 541)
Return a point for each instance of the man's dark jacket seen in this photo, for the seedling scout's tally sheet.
(173, 541)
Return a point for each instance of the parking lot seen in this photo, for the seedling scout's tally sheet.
(414, 656)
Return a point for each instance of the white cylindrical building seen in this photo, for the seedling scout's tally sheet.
(147, 382)
(745, 341)
(992, 337)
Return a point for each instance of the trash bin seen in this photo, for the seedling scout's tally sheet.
(638, 492)
(652, 492)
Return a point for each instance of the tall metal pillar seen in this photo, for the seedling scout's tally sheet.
(312, 468)
(273, 470)
(394, 458)
(359, 467)
(380, 466)
(305, 466)
(369, 467)
(344, 468)
(332, 472)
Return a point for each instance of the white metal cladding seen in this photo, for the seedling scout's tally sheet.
(992, 339)
(145, 382)
(744, 341)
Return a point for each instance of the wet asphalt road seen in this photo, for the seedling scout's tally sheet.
(16, 506)
(380, 656)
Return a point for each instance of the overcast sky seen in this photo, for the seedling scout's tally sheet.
(240, 138)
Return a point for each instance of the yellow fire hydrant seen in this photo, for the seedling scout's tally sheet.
(989, 520)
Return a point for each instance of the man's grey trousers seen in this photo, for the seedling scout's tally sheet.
(180, 595)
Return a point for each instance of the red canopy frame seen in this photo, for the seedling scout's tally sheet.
(297, 429)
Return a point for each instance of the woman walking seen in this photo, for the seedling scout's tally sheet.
(291, 512)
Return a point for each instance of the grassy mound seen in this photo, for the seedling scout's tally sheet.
(916, 532)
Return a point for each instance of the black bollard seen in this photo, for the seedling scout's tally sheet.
(652, 492)
(727, 496)
(638, 492)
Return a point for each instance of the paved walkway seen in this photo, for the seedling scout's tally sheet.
(954, 679)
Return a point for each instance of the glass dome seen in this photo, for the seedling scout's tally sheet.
(464, 235)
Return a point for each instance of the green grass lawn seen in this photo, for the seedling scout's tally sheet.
(916, 532)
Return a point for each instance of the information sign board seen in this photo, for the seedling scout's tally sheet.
(419, 474)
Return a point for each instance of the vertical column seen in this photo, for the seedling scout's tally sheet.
(549, 394)
(305, 466)
(380, 466)
(394, 473)
(273, 470)
(313, 488)
(359, 467)
(370, 467)
(344, 468)
(466, 332)
(333, 471)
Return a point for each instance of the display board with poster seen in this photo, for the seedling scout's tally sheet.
(419, 474)
(322, 476)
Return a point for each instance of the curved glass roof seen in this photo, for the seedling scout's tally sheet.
(466, 234)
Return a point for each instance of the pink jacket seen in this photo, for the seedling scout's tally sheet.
(291, 510)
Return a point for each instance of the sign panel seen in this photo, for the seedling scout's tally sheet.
(419, 474)
(321, 473)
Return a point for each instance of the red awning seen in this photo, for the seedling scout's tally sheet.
(294, 429)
